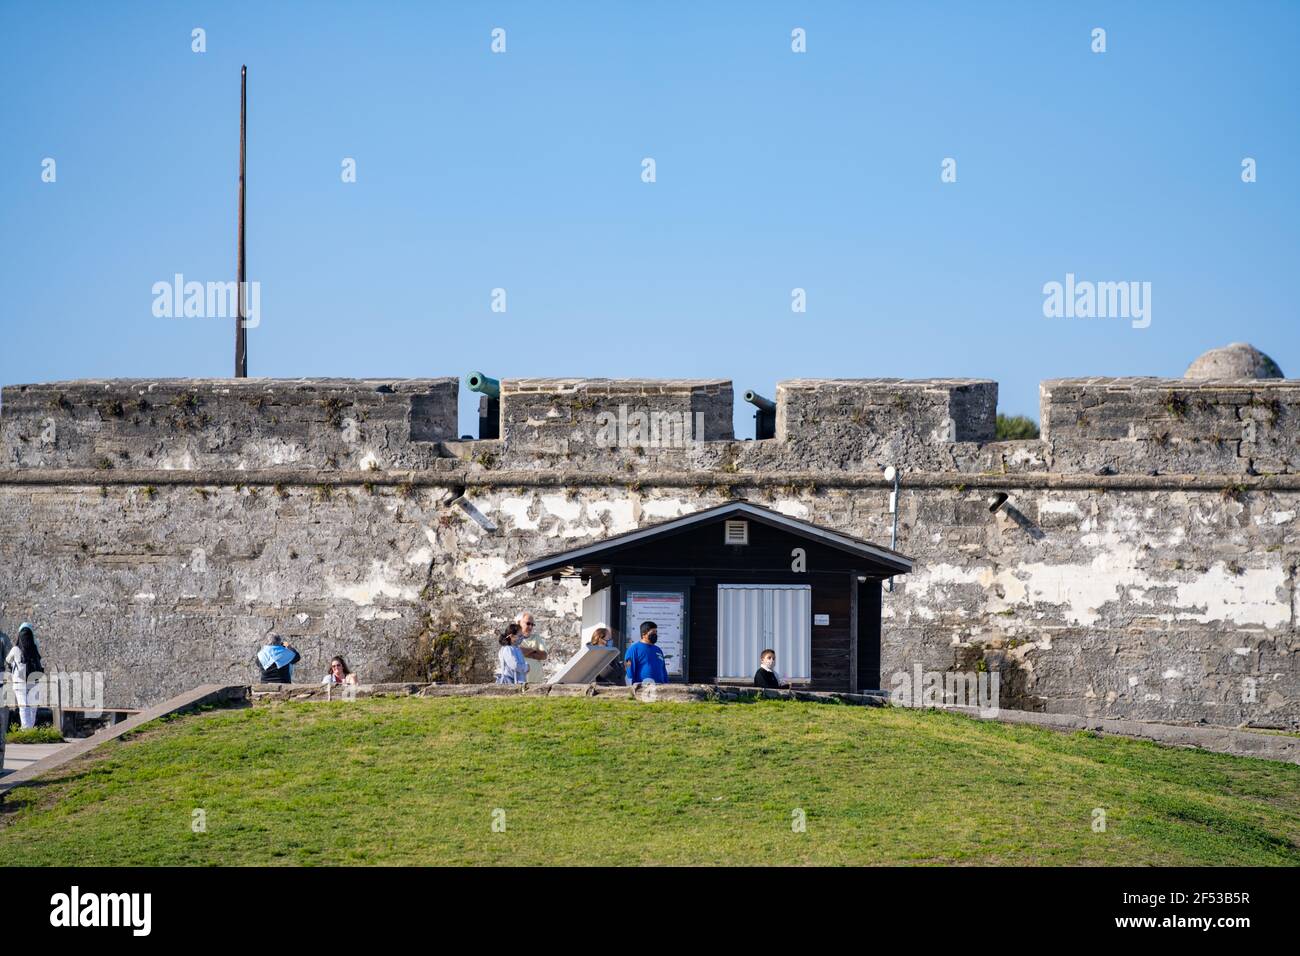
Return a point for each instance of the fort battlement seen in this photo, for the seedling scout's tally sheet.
(1126, 425)
(1092, 426)
(193, 424)
(1143, 563)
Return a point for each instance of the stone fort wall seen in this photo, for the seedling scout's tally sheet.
(1144, 564)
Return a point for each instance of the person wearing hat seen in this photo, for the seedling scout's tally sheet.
(275, 662)
(23, 661)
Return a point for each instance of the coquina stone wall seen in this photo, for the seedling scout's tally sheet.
(1144, 564)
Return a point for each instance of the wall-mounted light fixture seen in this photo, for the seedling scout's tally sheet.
(997, 501)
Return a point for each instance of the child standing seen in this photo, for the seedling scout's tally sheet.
(766, 675)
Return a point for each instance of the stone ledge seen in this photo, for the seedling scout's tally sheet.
(1131, 383)
(260, 693)
(611, 386)
(1225, 740)
(648, 693)
(450, 473)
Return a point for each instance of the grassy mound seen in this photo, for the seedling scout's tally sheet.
(499, 781)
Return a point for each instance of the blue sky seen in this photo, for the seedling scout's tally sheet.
(775, 170)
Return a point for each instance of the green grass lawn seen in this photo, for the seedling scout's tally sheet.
(412, 780)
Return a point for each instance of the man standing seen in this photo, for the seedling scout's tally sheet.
(533, 648)
(644, 661)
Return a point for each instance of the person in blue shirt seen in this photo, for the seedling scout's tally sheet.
(644, 661)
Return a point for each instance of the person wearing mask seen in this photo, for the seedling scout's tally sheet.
(613, 674)
(23, 663)
(512, 666)
(766, 675)
(276, 662)
(644, 661)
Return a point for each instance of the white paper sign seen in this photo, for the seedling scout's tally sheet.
(666, 609)
(822, 620)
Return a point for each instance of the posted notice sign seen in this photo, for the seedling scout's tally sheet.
(668, 610)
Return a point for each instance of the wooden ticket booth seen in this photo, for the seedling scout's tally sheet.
(724, 583)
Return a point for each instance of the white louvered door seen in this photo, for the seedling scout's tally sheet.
(754, 616)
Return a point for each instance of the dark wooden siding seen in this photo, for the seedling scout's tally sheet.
(869, 635)
(700, 553)
(830, 645)
(703, 663)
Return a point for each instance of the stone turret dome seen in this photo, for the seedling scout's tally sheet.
(1237, 360)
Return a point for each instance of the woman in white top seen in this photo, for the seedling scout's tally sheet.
(512, 666)
(339, 673)
(23, 661)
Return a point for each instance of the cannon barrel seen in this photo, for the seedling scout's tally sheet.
(764, 417)
(489, 406)
(478, 382)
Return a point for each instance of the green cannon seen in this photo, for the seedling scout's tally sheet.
(489, 406)
(764, 417)
(478, 382)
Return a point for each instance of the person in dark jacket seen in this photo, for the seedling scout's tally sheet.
(766, 675)
(276, 662)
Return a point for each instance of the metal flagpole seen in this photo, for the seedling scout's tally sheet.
(241, 333)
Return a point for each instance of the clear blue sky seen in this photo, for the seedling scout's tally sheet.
(775, 170)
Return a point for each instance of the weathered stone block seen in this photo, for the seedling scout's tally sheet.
(231, 424)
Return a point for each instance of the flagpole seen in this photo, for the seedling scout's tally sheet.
(241, 333)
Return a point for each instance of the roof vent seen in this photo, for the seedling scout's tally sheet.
(737, 532)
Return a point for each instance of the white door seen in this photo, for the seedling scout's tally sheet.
(752, 617)
(595, 613)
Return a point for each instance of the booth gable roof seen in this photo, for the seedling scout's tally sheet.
(563, 562)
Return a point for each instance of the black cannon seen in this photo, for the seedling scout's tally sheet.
(764, 417)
